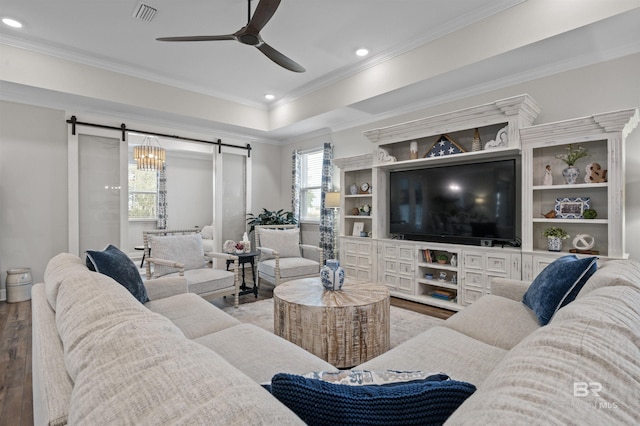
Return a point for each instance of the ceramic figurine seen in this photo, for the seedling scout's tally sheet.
(548, 177)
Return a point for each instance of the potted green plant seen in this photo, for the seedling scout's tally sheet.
(442, 258)
(267, 217)
(554, 238)
(570, 157)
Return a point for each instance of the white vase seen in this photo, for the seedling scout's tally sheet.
(571, 175)
(554, 244)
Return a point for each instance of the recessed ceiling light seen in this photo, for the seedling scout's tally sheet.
(362, 52)
(12, 23)
(269, 97)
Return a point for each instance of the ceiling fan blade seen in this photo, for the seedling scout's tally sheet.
(262, 15)
(279, 58)
(199, 38)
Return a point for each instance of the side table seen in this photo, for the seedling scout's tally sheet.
(345, 327)
(244, 258)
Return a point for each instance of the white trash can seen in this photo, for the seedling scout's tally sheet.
(19, 283)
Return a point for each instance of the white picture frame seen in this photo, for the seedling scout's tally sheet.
(358, 227)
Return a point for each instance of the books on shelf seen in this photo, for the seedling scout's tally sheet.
(428, 256)
(443, 294)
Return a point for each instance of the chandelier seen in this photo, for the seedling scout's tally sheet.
(150, 155)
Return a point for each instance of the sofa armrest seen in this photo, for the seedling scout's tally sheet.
(511, 289)
(159, 288)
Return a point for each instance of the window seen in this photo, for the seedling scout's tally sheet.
(310, 185)
(143, 193)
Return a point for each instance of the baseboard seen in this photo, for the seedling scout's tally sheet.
(3, 295)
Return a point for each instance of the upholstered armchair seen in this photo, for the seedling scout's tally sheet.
(179, 252)
(281, 255)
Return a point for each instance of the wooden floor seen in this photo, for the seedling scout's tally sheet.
(16, 400)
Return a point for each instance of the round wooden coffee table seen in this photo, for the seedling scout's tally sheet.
(345, 327)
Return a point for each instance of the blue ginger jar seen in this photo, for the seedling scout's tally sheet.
(332, 275)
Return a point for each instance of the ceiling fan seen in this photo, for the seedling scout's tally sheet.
(250, 34)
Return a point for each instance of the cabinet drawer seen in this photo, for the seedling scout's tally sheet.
(473, 260)
(406, 268)
(405, 253)
(497, 264)
(390, 251)
(474, 279)
(350, 259)
(391, 266)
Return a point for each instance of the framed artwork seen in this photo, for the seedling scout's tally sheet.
(358, 227)
(571, 208)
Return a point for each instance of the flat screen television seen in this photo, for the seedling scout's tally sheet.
(458, 204)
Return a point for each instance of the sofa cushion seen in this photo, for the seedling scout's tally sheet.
(185, 249)
(132, 366)
(240, 344)
(582, 368)
(193, 315)
(284, 241)
(557, 285)
(60, 267)
(441, 349)
(495, 320)
(620, 272)
(114, 263)
(425, 401)
(289, 267)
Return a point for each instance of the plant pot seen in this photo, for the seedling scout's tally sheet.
(554, 244)
(570, 175)
(442, 262)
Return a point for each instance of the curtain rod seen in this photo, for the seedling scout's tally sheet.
(123, 128)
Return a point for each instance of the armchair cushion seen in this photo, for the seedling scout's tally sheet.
(185, 249)
(114, 263)
(285, 241)
(289, 267)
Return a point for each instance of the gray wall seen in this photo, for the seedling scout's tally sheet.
(33, 187)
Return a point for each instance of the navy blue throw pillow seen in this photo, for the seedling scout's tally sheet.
(558, 285)
(117, 265)
(423, 402)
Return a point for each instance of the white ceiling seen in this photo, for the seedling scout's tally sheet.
(320, 35)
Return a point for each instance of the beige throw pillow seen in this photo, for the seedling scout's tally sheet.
(284, 241)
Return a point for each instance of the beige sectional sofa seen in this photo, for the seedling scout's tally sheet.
(101, 357)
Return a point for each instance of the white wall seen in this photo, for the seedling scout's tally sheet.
(33, 187)
(607, 86)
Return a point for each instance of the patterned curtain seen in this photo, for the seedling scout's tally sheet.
(295, 185)
(326, 215)
(162, 197)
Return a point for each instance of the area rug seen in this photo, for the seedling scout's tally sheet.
(404, 323)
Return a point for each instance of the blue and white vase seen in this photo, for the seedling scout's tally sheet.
(332, 275)
(571, 175)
